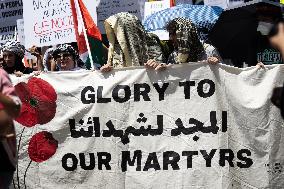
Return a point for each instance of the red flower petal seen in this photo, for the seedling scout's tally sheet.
(42, 146)
(41, 89)
(39, 102)
(28, 116)
(23, 91)
(45, 112)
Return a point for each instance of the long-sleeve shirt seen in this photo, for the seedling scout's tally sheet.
(7, 145)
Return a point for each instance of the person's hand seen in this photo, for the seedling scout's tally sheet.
(34, 51)
(161, 66)
(37, 73)
(152, 64)
(6, 125)
(213, 60)
(106, 68)
(18, 74)
(277, 41)
(260, 65)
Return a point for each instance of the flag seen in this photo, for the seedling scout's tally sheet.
(83, 20)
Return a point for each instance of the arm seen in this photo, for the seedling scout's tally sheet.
(9, 105)
(9, 101)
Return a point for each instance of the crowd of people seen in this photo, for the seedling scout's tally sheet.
(129, 45)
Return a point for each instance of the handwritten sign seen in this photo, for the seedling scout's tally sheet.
(48, 22)
(106, 8)
(10, 11)
(155, 6)
(212, 124)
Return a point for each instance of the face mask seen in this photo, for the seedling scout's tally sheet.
(264, 27)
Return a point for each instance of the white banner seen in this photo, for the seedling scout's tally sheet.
(190, 126)
(10, 11)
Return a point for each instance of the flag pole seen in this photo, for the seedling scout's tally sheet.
(85, 35)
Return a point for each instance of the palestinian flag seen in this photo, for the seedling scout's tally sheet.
(82, 16)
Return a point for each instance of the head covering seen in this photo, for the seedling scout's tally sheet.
(19, 50)
(155, 48)
(66, 48)
(46, 56)
(128, 41)
(189, 46)
(14, 47)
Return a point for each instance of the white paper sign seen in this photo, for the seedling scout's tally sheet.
(48, 22)
(21, 31)
(10, 12)
(192, 126)
(155, 6)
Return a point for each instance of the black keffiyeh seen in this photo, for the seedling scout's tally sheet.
(189, 47)
(14, 47)
(65, 48)
(130, 44)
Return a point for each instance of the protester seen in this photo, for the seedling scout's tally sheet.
(48, 61)
(187, 45)
(276, 36)
(276, 39)
(130, 44)
(44, 62)
(13, 54)
(67, 58)
(9, 109)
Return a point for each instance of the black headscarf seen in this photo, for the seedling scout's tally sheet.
(65, 48)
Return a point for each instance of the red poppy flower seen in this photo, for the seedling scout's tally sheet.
(42, 146)
(39, 102)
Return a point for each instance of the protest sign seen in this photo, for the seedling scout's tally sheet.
(153, 7)
(21, 31)
(107, 8)
(190, 125)
(10, 11)
(51, 22)
(48, 22)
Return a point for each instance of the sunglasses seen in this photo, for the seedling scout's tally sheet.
(63, 56)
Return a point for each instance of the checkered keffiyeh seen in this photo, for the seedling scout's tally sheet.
(14, 47)
(201, 15)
